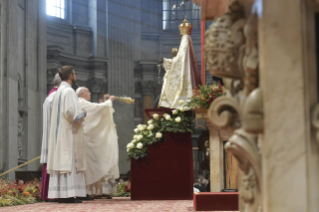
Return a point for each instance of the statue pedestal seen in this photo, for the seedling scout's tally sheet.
(167, 172)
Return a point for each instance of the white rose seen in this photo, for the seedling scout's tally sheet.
(135, 136)
(182, 109)
(181, 102)
(136, 130)
(139, 137)
(150, 127)
(175, 112)
(128, 149)
(155, 116)
(165, 114)
(168, 117)
(139, 145)
(140, 127)
(178, 119)
(158, 135)
(144, 126)
(150, 135)
(150, 121)
(130, 145)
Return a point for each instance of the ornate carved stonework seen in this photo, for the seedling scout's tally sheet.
(223, 41)
(148, 87)
(95, 85)
(232, 53)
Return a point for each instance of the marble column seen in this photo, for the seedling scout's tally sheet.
(9, 92)
(288, 76)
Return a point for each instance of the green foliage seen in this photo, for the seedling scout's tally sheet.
(121, 191)
(144, 135)
(205, 95)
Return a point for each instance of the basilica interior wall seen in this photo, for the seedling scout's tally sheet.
(23, 63)
(113, 46)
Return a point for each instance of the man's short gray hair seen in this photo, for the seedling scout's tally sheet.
(79, 91)
(57, 80)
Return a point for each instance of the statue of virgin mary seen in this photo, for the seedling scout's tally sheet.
(182, 75)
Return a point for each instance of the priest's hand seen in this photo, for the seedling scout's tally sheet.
(112, 98)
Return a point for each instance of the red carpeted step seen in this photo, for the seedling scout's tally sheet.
(215, 201)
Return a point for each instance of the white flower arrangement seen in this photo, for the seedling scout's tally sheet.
(158, 135)
(168, 117)
(155, 116)
(130, 145)
(139, 137)
(150, 127)
(141, 127)
(139, 145)
(183, 109)
(181, 102)
(134, 140)
(176, 122)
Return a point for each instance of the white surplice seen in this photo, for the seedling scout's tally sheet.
(47, 110)
(181, 75)
(101, 142)
(66, 157)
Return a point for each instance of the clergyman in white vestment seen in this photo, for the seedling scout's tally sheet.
(47, 110)
(182, 75)
(66, 159)
(101, 144)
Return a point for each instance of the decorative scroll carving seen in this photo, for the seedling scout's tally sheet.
(20, 134)
(231, 46)
(225, 113)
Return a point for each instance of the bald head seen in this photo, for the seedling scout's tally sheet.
(84, 93)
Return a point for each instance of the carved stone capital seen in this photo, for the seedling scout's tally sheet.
(148, 87)
(95, 85)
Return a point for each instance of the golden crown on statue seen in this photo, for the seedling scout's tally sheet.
(185, 28)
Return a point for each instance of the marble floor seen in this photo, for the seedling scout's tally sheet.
(112, 205)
